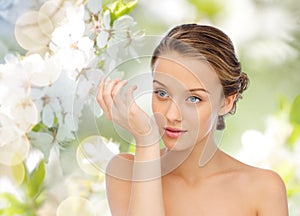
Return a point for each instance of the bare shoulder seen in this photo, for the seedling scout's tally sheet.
(118, 183)
(260, 177)
(263, 179)
(266, 189)
(271, 197)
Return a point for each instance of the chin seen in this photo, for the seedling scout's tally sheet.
(176, 145)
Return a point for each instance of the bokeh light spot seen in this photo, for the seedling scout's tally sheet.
(94, 153)
(75, 206)
(14, 152)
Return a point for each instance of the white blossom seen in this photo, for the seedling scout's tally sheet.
(268, 149)
(70, 45)
(13, 79)
(105, 29)
(94, 6)
(120, 37)
(86, 91)
(43, 93)
(42, 72)
(56, 101)
(24, 113)
(8, 130)
(119, 31)
(14, 147)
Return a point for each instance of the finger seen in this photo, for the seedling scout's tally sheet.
(111, 85)
(100, 96)
(100, 85)
(119, 105)
(107, 92)
(116, 94)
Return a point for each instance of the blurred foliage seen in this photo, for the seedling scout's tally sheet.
(270, 78)
(33, 194)
(120, 8)
(295, 121)
(208, 8)
(286, 170)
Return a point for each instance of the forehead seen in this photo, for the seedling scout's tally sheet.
(186, 71)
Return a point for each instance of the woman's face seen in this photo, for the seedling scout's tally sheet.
(188, 97)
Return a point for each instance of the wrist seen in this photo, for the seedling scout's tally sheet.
(147, 163)
(147, 139)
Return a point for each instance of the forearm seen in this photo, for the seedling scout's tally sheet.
(145, 189)
(146, 194)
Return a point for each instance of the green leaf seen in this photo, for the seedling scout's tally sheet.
(42, 141)
(18, 172)
(10, 198)
(12, 211)
(120, 8)
(284, 103)
(14, 207)
(36, 179)
(41, 198)
(39, 127)
(295, 111)
(295, 121)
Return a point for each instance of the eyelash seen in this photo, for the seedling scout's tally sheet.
(157, 92)
(194, 97)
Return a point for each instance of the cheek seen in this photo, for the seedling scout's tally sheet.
(203, 118)
(158, 110)
(156, 107)
(207, 118)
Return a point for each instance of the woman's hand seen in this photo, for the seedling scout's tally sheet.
(125, 112)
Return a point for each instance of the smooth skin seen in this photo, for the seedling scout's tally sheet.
(187, 98)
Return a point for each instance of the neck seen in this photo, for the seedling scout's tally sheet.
(199, 162)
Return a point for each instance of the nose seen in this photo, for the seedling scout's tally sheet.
(173, 113)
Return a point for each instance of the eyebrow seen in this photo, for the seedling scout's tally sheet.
(191, 90)
(155, 81)
(199, 89)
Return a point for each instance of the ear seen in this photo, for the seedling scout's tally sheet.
(228, 102)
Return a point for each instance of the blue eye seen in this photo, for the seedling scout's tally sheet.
(193, 99)
(161, 93)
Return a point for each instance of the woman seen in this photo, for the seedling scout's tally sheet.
(197, 80)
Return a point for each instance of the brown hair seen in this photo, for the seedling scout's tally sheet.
(215, 46)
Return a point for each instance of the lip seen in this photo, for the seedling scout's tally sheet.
(174, 132)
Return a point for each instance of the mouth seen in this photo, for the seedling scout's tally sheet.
(174, 132)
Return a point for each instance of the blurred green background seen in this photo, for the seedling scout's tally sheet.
(266, 35)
